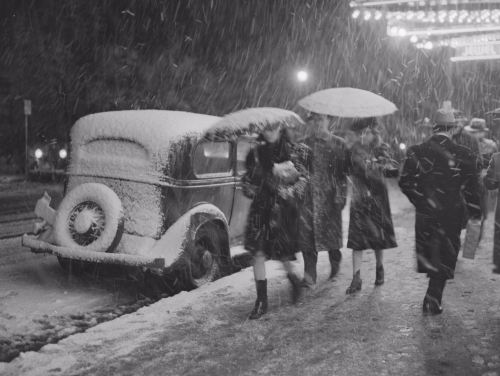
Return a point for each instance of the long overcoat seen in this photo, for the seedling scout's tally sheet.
(370, 222)
(320, 226)
(273, 216)
(492, 182)
(440, 178)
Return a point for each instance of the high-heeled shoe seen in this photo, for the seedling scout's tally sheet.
(379, 275)
(432, 305)
(355, 284)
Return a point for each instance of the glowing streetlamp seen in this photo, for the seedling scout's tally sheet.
(302, 76)
(63, 153)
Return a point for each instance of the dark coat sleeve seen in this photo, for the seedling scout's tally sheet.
(472, 187)
(410, 182)
(370, 177)
(490, 180)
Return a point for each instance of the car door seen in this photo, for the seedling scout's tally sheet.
(241, 203)
(213, 168)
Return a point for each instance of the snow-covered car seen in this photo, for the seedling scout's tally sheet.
(154, 189)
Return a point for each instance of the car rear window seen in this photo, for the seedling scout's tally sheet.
(212, 159)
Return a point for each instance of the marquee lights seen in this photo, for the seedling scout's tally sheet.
(453, 16)
(470, 27)
(416, 3)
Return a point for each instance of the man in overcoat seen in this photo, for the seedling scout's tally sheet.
(440, 178)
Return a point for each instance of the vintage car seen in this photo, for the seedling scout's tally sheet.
(155, 189)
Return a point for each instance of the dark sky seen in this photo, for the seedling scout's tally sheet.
(80, 56)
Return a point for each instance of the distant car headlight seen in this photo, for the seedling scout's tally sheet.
(63, 153)
(38, 153)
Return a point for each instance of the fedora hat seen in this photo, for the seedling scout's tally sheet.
(445, 118)
(476, 125)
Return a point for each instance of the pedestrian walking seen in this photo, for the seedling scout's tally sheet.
(321, 217)
(492, 182)
(477, 128)
(439, 178)
(275, 184)
(370, 223)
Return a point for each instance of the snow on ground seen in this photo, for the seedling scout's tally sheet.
(378, 331)
(123, 336)
(39, 303)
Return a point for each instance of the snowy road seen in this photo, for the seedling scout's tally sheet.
(39, 303)
(379, 331)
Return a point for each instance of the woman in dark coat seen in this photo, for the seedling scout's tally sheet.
(274, 182)
(370, 223)
(322, 212)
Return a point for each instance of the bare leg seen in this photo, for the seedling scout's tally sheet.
(357, 258)
(379, 257)
(259, 266)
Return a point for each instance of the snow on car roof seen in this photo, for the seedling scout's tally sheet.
(154, 130)
(147, 127)
(254, 119)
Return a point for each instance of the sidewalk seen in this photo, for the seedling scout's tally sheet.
(379, 331)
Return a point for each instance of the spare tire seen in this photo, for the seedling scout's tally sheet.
(90, 217)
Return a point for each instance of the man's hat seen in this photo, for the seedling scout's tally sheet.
(476, 125)
(444, 118)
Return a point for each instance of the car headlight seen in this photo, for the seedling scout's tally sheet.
(63, 153)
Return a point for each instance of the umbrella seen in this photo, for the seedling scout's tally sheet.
(347, 102)
(253, 120)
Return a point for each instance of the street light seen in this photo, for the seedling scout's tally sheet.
(302, 76)
(63, 153)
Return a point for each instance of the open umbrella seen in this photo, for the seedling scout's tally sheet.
(347, 102)
(253, 120)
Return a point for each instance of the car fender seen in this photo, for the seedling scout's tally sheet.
(181, 234)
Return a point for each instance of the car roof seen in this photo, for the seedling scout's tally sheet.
(154, 130)
(147, 127)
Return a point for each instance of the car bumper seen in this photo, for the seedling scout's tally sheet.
(40, 246)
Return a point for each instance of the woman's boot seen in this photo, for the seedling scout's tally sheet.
(296, 287)
(335, 256)
(260, 307)
(355, 283)
(379, 275)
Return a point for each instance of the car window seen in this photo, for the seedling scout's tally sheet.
(242, 148)
(212, 159)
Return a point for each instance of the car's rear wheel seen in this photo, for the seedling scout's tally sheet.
(89, 218)
(204, 259)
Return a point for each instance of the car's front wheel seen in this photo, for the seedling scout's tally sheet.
(204, 261)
